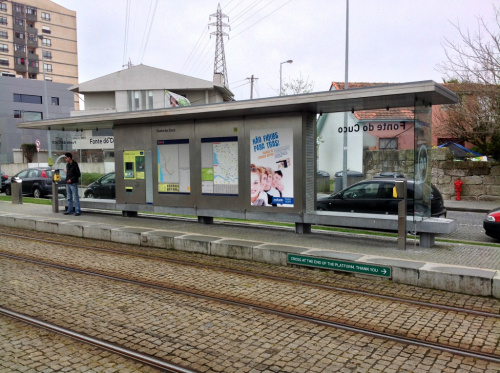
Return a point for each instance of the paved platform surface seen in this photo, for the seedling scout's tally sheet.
(478, 264)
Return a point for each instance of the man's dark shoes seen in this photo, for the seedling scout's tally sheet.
(77, 214)
(68, 213)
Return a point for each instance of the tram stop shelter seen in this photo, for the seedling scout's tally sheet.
(209, 160)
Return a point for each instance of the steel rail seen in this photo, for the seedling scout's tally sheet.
(270, 277)
(406, 340)
(128, 353)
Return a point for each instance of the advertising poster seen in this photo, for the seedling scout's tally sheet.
(219, 165)
(173, 166)
(271, 171)
(173, 100)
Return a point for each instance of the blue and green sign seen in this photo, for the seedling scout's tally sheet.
(340, 265)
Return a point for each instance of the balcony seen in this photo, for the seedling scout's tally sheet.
(19, 41)
(33, 70)
(32, 30)
(20, 68)
(20, 54)
(32, 43)
(31, 17)
(18, 28)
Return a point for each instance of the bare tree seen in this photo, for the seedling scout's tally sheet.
(476, 58)
(472, 70)
(296, 86)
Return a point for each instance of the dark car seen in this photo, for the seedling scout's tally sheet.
(36, 182)
(104, 187)
(377, 196)
(491, 224)
(4, 178)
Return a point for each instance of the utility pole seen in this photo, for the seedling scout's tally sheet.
(251, 86)
(220, 71)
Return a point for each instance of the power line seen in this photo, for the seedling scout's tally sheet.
(149, 31)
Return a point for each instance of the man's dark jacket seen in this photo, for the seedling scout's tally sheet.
(72, 172)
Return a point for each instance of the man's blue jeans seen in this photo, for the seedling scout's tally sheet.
(72, 195)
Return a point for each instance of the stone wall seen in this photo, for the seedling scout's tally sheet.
(481, 180)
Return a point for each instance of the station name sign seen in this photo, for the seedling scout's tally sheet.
(340, 265)
(399, 126)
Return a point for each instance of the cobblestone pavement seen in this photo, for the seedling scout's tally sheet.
(24, 348)
(370, 284)
(456, 330)
(214, 337)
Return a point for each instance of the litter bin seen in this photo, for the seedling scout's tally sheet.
(16, 186)
(352, 178)
(323, 181)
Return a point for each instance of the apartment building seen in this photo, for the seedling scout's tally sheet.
(37, 37)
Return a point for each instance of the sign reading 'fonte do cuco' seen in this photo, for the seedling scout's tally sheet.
(340, 265)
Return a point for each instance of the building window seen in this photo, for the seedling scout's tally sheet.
(33, 63)
(47, 67)
(31, 10)
(46, 16)
(20, 61)
(47, 54)
(18, 8)
(3, 7)
(46, 42)
(136, 100)
(27, 99)
(4, 48)
(32, 37)
(55, 101)
(19, 21)
(19, 35)
(150, 99)
(3, 20)
(28, 115)
(391, 143)
(19, 48)
(4, 62)
(4, 35)
(5, 73)
(46, 29)
(31, 76)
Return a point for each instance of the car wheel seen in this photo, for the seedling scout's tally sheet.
(37, 193)
(7, 191)
(89, 195)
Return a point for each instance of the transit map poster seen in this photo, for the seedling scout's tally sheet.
(173, 166)
(271, 171)
(219, 165)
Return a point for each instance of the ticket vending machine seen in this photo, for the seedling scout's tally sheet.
(135, 177)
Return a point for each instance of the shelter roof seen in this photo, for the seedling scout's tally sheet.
(395, 113)
(356, 99)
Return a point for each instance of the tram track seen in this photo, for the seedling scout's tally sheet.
(279, 311)
(80, 337)
(470, 311)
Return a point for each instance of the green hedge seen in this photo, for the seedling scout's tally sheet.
(89, 177)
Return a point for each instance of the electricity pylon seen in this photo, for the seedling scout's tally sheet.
(220, 70)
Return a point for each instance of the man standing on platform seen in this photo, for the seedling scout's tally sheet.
(72, 176)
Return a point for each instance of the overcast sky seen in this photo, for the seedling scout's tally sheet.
(389, 40)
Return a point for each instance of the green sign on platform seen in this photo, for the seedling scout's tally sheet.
(340, 265)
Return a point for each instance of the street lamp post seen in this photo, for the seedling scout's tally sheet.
(281, 64)
(49, 147)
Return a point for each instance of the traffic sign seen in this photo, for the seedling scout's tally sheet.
(37, 142)
(340, 265)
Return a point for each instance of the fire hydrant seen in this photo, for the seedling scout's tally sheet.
(458, 188)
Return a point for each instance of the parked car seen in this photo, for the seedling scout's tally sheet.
(376, 196)
(104, 187)
(36, 182)
(491, 224)
(3, 178)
